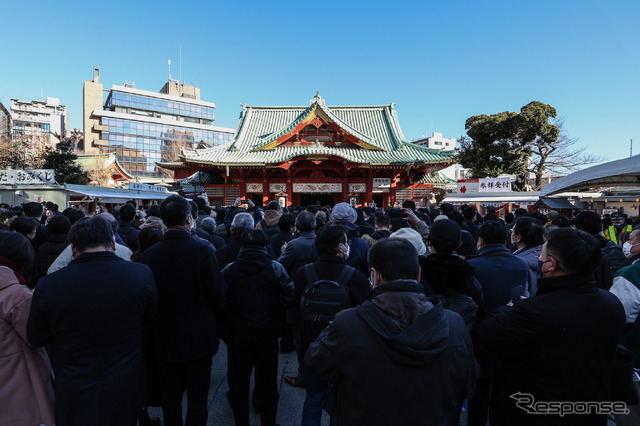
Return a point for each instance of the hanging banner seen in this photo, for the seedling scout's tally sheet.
(494, 184)
(27, 177)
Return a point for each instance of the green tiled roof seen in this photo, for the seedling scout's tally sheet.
(196, 182)
(376, 126)
(88, 162)
(436, 179)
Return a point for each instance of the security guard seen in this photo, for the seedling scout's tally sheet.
(619, 226)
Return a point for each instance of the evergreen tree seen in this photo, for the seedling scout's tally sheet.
(62, 160)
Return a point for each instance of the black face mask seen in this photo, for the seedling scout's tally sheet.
(540, 263)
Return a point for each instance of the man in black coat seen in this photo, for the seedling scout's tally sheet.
(241, 222)
(259, 290)
(90, 315)
(126, 230)
(399, 358)
(192, 293)
(558, 345)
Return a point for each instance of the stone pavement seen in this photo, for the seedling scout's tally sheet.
(220, 413)
(289, 406)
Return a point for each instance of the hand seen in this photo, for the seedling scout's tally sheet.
(284, 246)
(250, 203)
(237, 202)
(410, 216)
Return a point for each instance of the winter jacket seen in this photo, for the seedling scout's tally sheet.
(26, 390)
(299, 252)
(397, 359)
(611, 261)
(228, 253)
(276, 242)
(531, 255)
(129, 234)
(67, 256)
(557, 346)
(452, 280)
(47, 253)
(498, 272)
(154, 222)
(191, 291)
(259, 291)
(626, 287)
(90, 316)
(270, 222)
(216, 240)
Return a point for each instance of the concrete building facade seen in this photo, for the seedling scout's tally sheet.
(437, 141)
(38, 120)
(143, 128)
(5, 124)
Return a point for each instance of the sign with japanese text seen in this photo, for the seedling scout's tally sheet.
(494, 185)
(144, 187)
(381, 182)
(27, 177)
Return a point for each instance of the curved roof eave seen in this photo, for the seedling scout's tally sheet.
(602, 175)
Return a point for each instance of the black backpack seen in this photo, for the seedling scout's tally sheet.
(322, 299)
(613, 259)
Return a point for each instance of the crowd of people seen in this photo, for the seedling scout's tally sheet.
(397, 316)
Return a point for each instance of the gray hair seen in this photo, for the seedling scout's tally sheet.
(111, 219)
(208, 224)
(242, 221)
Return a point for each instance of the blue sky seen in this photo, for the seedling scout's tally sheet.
(441, 62)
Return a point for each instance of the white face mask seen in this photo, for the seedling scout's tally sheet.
(346, 254)
(626, 249)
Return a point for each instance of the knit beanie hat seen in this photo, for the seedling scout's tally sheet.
(343, 212)
(413, 236)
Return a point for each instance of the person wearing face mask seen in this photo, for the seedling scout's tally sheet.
(626, 286)
(559, 345)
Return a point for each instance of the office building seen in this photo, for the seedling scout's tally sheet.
(5, 124)
(143, 128)
(39, 121)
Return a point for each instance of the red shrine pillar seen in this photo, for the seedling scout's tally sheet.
(369, 188)
(265, 188)
(243, 185)
(345, 185)
(289, 188)
(392, 189)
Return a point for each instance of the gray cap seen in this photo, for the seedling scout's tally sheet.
(343, 212)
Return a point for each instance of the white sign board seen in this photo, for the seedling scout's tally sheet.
(467, 186)
(27, 177)
(381, 183)
(494, 185)
(144, 187)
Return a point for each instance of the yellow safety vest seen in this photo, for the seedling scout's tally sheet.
(612, 233)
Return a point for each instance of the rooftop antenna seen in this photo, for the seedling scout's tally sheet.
(180, 68)
(169, 61)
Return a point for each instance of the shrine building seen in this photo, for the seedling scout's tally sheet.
(314, 154)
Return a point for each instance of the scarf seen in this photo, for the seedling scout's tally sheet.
(14, 267)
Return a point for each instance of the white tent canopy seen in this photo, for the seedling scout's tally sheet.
(115, 193)
(618, 174)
